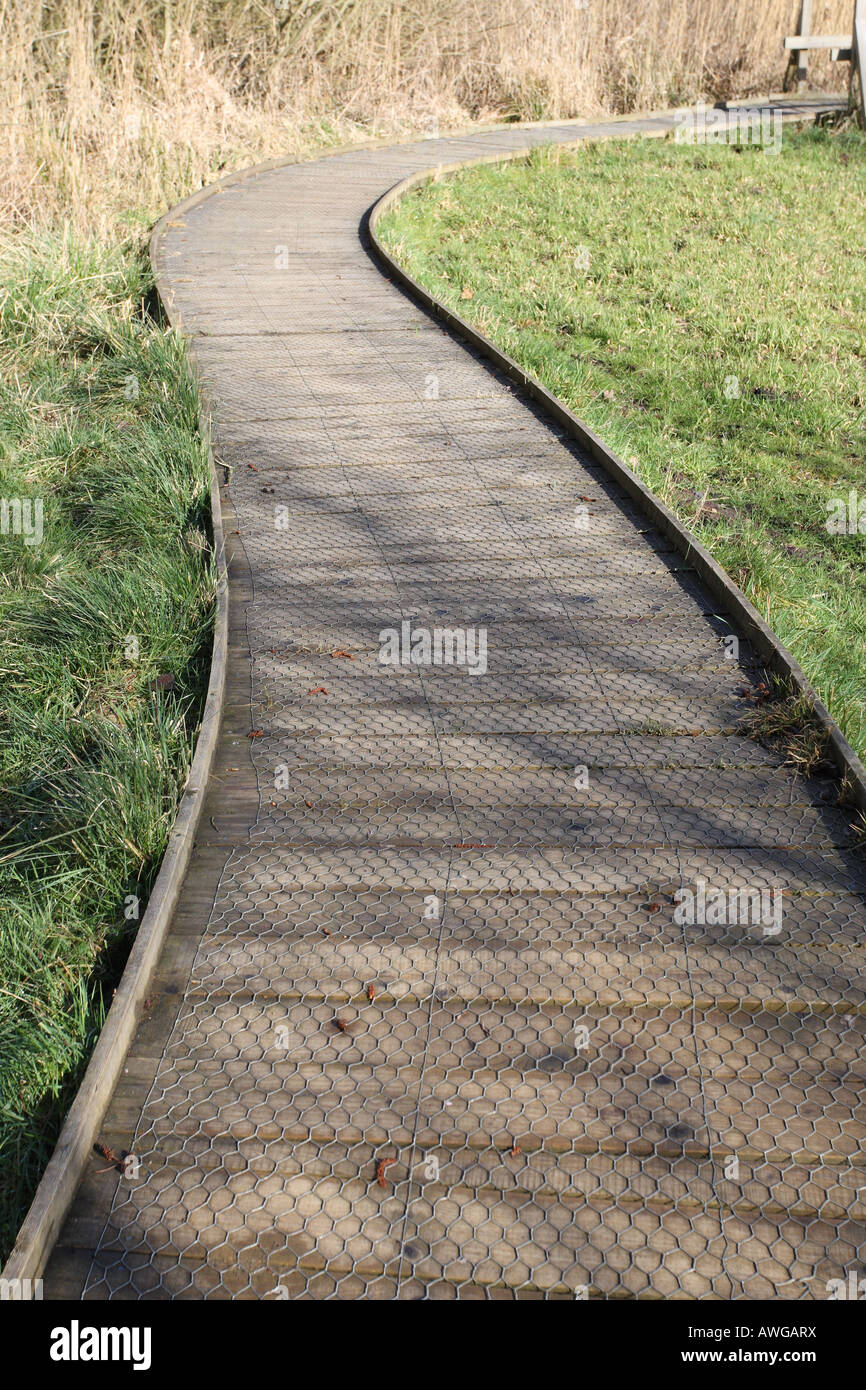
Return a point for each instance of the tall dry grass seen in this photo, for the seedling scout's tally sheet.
(116, 107)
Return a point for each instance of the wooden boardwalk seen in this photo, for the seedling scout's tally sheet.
(427, 1024)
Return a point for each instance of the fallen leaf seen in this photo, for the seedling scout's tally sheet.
(317, 690)
(256, 733)
(165, 682)
(466, 293)
(380, 1170)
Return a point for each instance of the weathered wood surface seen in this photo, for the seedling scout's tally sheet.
(815, 41)
(560, 1071)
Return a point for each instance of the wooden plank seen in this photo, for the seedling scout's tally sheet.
(805, 30)
(800, 43)
(858, 63)
(795, 75)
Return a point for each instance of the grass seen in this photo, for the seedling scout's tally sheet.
(785, 719)
(98, 419)
(703, 308)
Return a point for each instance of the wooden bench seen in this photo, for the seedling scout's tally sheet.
(844, 48)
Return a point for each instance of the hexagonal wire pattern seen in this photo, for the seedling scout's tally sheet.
(445, 1035)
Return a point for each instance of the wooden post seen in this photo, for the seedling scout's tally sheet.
(798, 62)
(856, 83)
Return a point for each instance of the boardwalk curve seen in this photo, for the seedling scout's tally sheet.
(428, 1023)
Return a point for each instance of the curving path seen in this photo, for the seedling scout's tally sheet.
(426, 1025)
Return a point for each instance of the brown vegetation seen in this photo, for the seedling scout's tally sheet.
(112, 103)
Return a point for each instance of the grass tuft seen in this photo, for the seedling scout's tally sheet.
(99, 423)
(787, 723)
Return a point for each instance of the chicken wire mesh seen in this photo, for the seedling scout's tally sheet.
(531, 981)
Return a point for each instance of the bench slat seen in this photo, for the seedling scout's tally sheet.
(800, 42)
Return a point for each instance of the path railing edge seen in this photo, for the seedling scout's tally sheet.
(57, 1186)
(772, 652)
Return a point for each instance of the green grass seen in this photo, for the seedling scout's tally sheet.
(99, 419)
(703, 308)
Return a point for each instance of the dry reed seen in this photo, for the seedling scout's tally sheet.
(113, 108)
